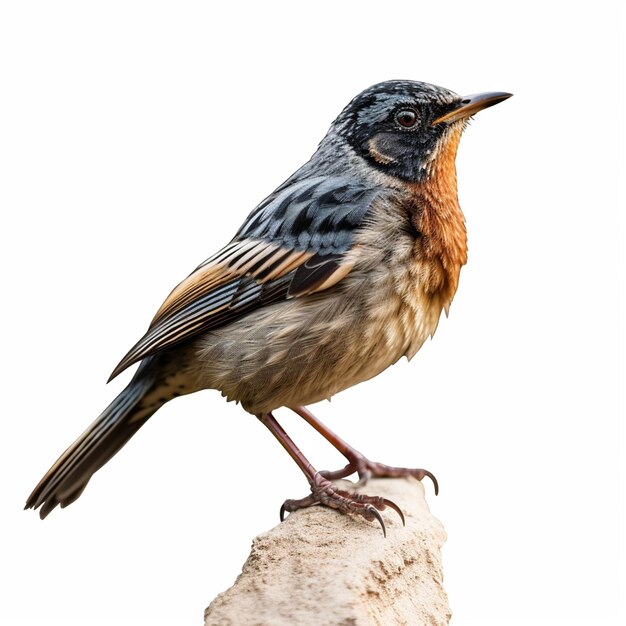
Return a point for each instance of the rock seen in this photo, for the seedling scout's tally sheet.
(322, 568)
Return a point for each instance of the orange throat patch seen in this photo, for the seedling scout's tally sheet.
(441, 248)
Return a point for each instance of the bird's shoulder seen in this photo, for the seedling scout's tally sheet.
(317, 213)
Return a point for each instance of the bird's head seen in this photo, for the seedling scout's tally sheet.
(401, 127)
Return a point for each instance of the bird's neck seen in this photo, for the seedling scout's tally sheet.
(437, 215)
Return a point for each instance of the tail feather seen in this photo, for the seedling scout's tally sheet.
(66, 479)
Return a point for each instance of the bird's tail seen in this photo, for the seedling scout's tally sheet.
(66, 479)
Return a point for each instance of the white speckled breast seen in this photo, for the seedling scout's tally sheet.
(307, 349)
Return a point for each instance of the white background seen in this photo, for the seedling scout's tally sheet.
(135, 137)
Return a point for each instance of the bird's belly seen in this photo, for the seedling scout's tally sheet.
(307, 349)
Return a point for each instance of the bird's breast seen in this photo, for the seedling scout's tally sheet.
(407, 311)
(405, 267)
(419, 244)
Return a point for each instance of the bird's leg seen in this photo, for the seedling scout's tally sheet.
(357, 462)
(322, 490)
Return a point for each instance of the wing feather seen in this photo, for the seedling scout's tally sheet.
(294, 243)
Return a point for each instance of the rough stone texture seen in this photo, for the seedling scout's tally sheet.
(321, 567)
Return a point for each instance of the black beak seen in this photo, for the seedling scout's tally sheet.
(470, 105)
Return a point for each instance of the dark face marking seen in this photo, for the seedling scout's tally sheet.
(390, 125)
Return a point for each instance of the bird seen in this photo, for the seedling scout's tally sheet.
(340, 272)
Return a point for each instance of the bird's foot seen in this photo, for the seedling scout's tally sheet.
(357, 462)
(367, 469)
(324, 493)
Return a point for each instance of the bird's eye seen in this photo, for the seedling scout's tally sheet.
(407, 118)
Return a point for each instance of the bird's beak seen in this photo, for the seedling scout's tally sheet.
(472, 104)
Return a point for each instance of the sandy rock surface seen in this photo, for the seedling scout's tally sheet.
(323, 568)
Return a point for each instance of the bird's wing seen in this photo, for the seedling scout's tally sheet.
(294, 243)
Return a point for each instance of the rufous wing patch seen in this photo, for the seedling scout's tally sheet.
(317, 273)
(243, 276)
(238, 261)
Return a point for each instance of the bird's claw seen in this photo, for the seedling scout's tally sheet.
(433, 478)
(379, 470)
(370, 513)
(324, 493)
(367, 469)
(396, 508)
